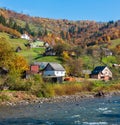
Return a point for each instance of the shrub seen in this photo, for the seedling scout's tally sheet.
(48, 90)
(67, 89)
(16, 83)
(4, 97)
(37, 86)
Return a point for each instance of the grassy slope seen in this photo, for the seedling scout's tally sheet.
(14, 42)
(35, 54)
(31, 55)
(114, 43)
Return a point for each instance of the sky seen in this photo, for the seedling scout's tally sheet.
(97, 10)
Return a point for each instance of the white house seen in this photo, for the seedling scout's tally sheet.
(25, 36)
(54, 71)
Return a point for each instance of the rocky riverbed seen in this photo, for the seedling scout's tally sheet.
(23, 98)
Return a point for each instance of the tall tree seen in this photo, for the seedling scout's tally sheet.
(27, 28)
(2, 20)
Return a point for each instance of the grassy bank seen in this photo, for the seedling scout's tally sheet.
(34, 88)
(86, 86)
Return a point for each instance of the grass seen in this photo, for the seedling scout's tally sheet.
(71, 88)
(114, 43)
(34, 54)
(48, 59)
(15, 42)
(31, 54)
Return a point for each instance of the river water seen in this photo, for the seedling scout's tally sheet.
(98, 111)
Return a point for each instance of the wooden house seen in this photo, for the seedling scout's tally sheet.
(54, 71)
(102, 73)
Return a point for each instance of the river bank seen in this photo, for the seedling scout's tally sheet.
(23, 98)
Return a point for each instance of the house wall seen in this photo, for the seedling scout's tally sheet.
(59, 73)
(107, 72)
(94, 76)
(25, 36)
(54, 73)
(34, 68)
(48, 73)
(106, 78)
(48, 68)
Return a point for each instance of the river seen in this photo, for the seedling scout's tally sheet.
(97, 111)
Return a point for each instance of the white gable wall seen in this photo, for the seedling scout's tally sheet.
(107, 72)
(59, 73)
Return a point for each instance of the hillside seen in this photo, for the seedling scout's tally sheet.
(31, 54)
(83, 33)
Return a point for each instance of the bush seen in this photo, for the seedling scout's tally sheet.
(48, 90)
(4, 97)
(37, 86)
(67, 89)
(16, 83)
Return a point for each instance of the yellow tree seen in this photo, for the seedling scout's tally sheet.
(18, 64)
(6, 53)
(10, 60)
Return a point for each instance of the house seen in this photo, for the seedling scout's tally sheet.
(25, 36)
(18, 49)
(49, 52)
(116, 65)
(33, 69)
(107, 52)
(37, 44)
(102, 73)
(41, 65)
(54, 71)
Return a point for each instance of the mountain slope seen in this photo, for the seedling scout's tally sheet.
(83, 33)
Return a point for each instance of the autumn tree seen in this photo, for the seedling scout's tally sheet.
(74, 66)
(78, 50)
(8, 59)
(59, 48)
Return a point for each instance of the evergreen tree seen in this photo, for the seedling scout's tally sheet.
(63, 34)
(2, 20)
(11, 22)
(27, 28)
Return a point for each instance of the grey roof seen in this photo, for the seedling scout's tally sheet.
(56, 66)
(42, 65)
(98, 69)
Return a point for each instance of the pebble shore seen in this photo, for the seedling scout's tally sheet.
(65, 98)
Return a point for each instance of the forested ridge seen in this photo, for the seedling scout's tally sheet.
(83, 33)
